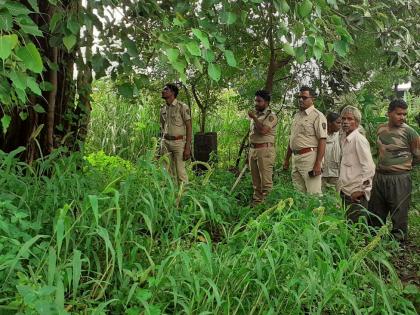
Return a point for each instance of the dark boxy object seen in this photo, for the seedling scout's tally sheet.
(205, 146)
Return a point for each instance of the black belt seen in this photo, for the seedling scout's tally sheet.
(383, 172)
(261, 145)
(168, 137)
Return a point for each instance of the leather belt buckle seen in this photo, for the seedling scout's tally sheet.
(303, 151)
(169, 137)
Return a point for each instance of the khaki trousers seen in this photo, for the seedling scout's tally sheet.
(261, 163)
(329, 182)
(175, 150)
(301, 165)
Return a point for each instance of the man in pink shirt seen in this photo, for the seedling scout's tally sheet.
(357, 167)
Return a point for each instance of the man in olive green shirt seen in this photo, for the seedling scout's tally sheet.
(399, 149)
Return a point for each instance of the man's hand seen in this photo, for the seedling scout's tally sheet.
(187, 152)
(357, 196)
(252, 114)
(317, 169)
(286, 165)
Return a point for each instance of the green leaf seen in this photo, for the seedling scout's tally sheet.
(179, 66)
(5, 122)
(21, 95)
(6, 21)
(288, 49)
(230, 58)
(18, 79)
(329, 60)
(220, 38)
(282, 6)
(228, 17)
(54, 21)
(31, 57)
(46, 86)
(310, 40)
(69, 41)
(28, 26)
(34, 5)
(99, 65)
(142, 295)
(7, 44)
(298, 29)
(73, 25)
(319, 42)
(172, 54)
(126, 90)
(214, 72)
(336, 20)
(317, 52)
(198, 64)
(131, 47)
(33, 86)
(208, 55)
(15, 8)
(39, 109)
(202, 37)
(193, 48)
(300, 55)
(305, 8)
(341, 47)
(23, 115)
(77, 270)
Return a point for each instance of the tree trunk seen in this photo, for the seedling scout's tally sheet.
(39, 132)
(51, 103)
(203, 115)
(272, 69)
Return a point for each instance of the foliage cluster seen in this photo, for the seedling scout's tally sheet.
(78, 238)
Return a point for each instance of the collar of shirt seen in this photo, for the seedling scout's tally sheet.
(332, 137)
(309, 110)
(173, 103)
(351, 136)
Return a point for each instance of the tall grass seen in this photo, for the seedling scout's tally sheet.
(101, 235)
(122, 127)
(126, 128)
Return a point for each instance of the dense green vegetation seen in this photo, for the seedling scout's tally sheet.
(94, 233)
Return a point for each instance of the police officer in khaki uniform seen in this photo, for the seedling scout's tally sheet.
(307, 144)
(176, 127)
(262, 152)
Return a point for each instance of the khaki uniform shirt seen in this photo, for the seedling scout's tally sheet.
(173, 118)
(357, 166)
(269, 119)
(308, 127)
(332, 156)
(397, 147)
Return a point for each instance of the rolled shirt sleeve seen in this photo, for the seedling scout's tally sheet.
(185, 113)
